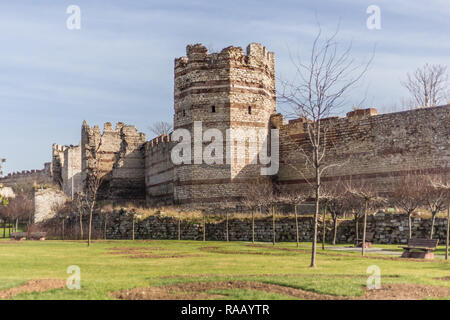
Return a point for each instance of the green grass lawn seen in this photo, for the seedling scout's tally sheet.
(102, 272)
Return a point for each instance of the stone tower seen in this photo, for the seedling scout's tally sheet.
(227, 90)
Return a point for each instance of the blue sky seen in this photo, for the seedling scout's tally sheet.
(119, 66)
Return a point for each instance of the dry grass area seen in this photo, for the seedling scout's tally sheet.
(33, 286)
(146, 253)
(202, 290)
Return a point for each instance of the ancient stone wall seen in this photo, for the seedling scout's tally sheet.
(119, 156)
(159, 171)
(28, 177)
(71, 172)
(387, 228)
(226, 90)
(46, 201)
(369, 146)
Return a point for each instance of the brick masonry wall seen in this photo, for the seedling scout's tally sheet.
(28, 177)
(388, 228)
(372, 147)
(159, 171)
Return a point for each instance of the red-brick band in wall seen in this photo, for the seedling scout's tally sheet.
(229, 83)
(214, 181)
(158, 184)
(250, 124)
(162, 171)
(186, 70)
(226, 106)
(372, 175)
(226, 89)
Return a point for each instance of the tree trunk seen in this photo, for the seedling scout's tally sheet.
(105, 218)
(297, 237)
(324, 229)
(356, 229)
(448, 232)
(179, 227)
(204, 228)
(81, 226)
(253, 226)
(4, 227)
(363, 251)
(228, 239)
(62, 229)
(132, 228)
(410, 226)
(17, 224)
(433, 218)
(91, 209)
(273, 225)
(334, 230)
(316, 215)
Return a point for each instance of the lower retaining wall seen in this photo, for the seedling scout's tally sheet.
(388, 228)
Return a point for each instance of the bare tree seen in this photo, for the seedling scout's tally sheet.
(427, 85)
(79, 205)
(408, 194)
(256, 198)
(63, 211)
(318, 91)
(93, 180)
(436, 197)
(161, 127)
(295, 198)
(370, 199)
(3, 199)
(336, 203)
(446, 188)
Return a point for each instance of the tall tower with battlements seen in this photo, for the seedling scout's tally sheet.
(233, 92)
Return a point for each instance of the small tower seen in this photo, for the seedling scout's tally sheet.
(226, 90)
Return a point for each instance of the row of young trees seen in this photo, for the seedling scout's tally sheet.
(409, 192)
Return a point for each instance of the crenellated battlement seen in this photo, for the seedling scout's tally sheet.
(28, 176)
(256, 54)
(158, 142)
(23, 173)
(298, 126)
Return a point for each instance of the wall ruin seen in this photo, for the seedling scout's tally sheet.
(119, 155)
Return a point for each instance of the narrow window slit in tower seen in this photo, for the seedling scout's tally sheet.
(249, 110)
(213, 109)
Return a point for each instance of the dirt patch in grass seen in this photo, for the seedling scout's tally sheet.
(146, 253)
(332, 254)
(443, 278)
(33, 286)
(218, 250)
(12, 242)
(156, 256)
(199, 290)
(406, 292)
